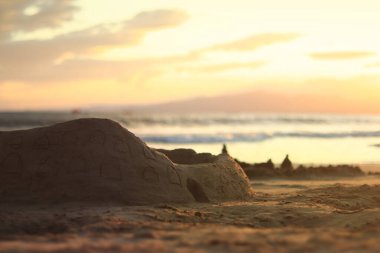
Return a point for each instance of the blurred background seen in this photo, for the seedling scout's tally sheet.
(266, 78)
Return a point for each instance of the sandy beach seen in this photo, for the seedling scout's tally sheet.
(333, 218)
(189, 126)
(90, 185)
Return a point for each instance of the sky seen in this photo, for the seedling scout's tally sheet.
(71, 54)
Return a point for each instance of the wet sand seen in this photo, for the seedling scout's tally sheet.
(319, 217)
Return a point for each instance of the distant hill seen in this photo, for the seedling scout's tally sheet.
(261, 101)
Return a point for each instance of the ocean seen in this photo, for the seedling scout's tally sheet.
(307, 138)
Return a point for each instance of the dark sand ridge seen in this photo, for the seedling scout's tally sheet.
(97, 160)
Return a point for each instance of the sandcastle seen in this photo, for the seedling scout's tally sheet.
(97, 160)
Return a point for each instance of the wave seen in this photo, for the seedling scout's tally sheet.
(34, 119)
(252, 137)
(244, 119)
(26, 120)
(179, 127)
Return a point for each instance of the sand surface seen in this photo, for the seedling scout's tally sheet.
(317, 217)
(52, 177)
(97, 160)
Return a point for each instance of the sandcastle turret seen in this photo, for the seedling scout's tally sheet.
(224, 149)
(270, 164)
(286, 164)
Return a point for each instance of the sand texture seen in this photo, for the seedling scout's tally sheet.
(97, 160)
(92, 186)
(329, 219)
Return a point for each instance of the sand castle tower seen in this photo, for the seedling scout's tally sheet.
(224, 149)
(286, 164)
(270, 164)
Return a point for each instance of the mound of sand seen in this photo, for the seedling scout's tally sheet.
(219, 177)
(97, 160)
(188, 156)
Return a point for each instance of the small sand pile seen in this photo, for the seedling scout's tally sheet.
(97, 160)
(221, 180)
(188, 156)
(211, 177)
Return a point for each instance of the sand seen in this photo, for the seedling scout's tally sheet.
(97, 160)
(327, 219)
(220, 212)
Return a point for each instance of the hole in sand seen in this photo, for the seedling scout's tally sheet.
(196, 190)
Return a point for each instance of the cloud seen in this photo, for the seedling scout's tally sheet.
(31, 15)
(81, 69)
(373, 65)
(255, 41)
(33, 60)
(341, 55)
(72, 56)
(157, 19)
(223, 67)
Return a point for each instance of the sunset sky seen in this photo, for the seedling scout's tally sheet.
(70, 54)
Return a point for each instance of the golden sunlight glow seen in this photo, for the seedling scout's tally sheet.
(155, 51)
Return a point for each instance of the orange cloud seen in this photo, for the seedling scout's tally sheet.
(58, 58)
(159, 19)
(342, 55)
(224, 67)
(46, 14)
(373, 65)
(255, 41)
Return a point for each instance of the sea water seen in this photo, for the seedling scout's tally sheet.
(307, 138)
